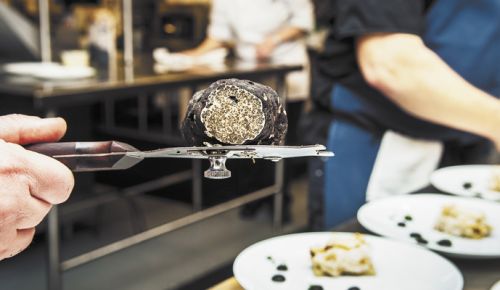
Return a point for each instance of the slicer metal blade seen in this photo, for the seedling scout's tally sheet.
(218, 155)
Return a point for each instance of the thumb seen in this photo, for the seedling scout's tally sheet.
(22, 129)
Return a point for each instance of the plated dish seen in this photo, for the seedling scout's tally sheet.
(343, 255)
(482, 181)
(463, 221)
(455, 226)
(286, 262)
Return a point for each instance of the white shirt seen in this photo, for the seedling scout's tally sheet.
(249, 22)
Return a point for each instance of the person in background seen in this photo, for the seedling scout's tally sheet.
(30, 183)
(413, 86)
(263, 30)
(266, 30)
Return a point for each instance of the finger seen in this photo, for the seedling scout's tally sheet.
(23, 239)
(25, 210)
(7, 240)
(33, 212)
(47, 179)
(15, 241)
(51, 181)
(22, 129)
(9, 212)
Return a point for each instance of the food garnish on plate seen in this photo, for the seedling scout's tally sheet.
(495, 180)
(342, 255)
(463, 222)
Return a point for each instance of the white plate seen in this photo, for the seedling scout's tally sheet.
(398, 266)
(452, 179)
(496, 286)
(52, 71)
(382, 217)
(27, 68)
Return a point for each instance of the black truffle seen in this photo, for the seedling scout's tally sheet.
(235, 112)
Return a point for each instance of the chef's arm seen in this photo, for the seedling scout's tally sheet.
(300, 23)
(207, 45)
(266, 47)
(420, 82)
(287, 34)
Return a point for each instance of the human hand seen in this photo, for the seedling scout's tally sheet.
(497, 143)
(495, 131)
(265, 49)
(30, 183)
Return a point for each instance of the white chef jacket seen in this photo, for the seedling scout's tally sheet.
(248, 22)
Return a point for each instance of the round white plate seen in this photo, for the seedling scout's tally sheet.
(496, 286)
(51, 71)
(382, 217)
(452, 180)
(28, 68)
(398, 266)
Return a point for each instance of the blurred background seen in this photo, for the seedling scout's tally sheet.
(125, 70)
(99, 73)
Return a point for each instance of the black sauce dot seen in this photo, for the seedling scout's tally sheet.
(315, 287)
(408, 218)
(354, 288)
(422, 241)
(444, 243)
(401, 225)
(278, 278)
(479, 195)
(467, 185)
(269, 258)
(282, 267)
(416, 235)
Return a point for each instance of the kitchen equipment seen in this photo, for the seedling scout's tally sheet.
(113, 155)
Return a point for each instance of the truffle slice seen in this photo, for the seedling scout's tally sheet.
(235, 112)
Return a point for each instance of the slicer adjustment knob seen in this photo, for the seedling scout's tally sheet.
(217, 168)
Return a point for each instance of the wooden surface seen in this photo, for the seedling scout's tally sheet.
(478, 274)
(229, 284)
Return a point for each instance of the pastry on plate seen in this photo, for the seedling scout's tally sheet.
(463, 222)
(342, 255)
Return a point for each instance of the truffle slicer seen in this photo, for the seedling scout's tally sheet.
(113, 155)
